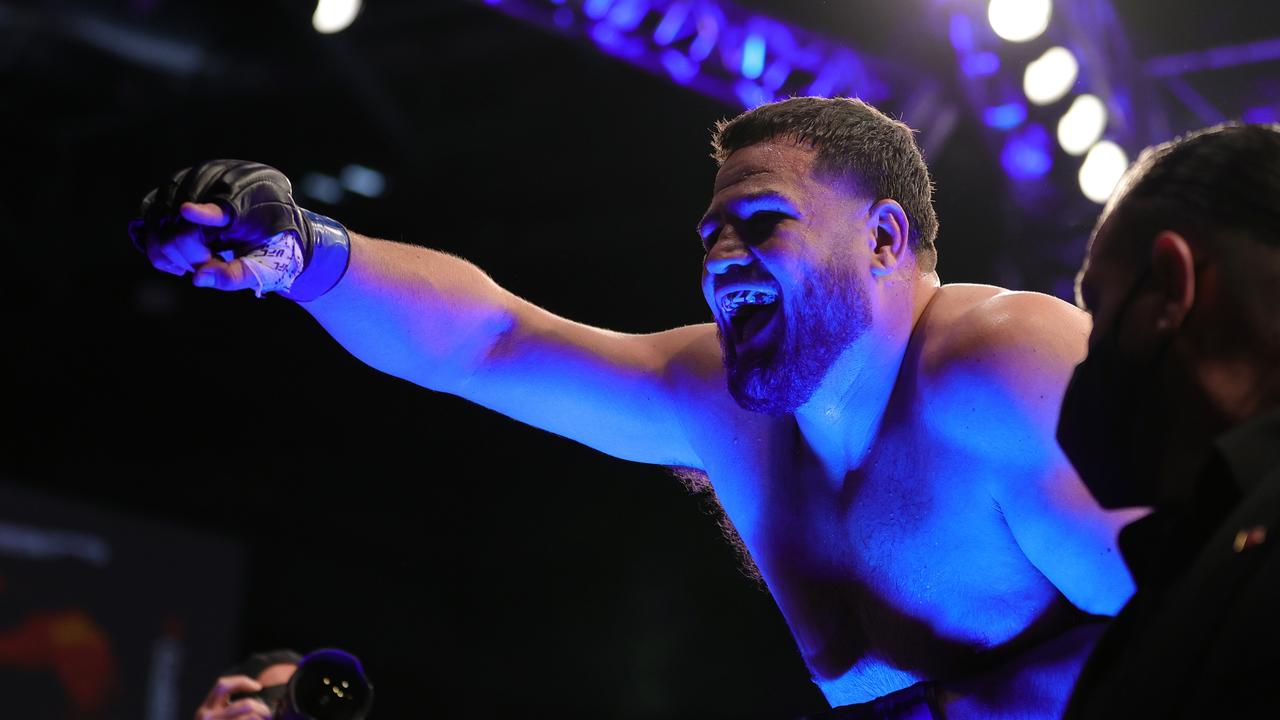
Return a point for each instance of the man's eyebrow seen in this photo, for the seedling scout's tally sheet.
(748, 205)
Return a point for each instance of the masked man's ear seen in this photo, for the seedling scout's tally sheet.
(1174, 273)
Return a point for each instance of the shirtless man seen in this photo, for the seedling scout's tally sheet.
(884, 445)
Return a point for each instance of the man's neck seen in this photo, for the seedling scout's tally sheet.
(841, 420)
(1222, 395)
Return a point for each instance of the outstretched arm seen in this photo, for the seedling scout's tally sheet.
(429, 317)
(438, 321)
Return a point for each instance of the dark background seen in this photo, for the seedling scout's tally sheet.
(480, 568)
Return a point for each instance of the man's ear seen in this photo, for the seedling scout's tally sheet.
(1173, 269)
(891, 232)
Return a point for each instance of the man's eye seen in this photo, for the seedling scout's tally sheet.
(763, 223)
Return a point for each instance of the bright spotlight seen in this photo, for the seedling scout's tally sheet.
(1050, 77)
(1101, 170)
(1019, 20)
(333, 16)
(1082, 124)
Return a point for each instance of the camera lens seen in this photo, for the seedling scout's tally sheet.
(330, 685)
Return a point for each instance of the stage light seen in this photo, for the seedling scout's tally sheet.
(1082, 124)
(1026, 153)
(333, 16)
(325, 188)
(1050, 77)
(753, 56)
(1019, 20)
(1005, 117)
(362, 180)
(1101, 170)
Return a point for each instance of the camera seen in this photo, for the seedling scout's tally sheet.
(329, 684)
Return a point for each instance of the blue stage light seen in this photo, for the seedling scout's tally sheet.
(1027, 153)
(670, 24)
(596, 9)
(751, 94)
(753, 56)
(1005, 117)
(980, 64)
(679, 67)
(1261, 115)
(627, 14)
(960, 32)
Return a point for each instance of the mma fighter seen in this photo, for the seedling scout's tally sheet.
(883, 444)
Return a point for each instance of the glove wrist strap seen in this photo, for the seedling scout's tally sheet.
(330, 256)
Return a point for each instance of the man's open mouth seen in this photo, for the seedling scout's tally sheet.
(748, 312)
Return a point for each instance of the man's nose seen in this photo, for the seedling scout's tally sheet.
(728, 251)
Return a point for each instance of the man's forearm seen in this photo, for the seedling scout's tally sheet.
(1035, 684)
(415, 313)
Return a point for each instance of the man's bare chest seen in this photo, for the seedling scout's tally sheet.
(902, 563)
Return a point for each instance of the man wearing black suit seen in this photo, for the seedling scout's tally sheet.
(1177, 406)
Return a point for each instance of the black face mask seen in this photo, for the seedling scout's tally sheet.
(1101, 427)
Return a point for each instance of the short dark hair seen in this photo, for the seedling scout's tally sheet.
(1209, 183)
(257, 662)
(1219, 187)
(854, 142)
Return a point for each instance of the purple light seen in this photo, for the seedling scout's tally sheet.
(612, 40)
(961, 33)
(628, 14)
(672, 21)
(1026, 154)
(1005, 117)
(753, 56)
(1261, 115)
(708, 32)
(751, 94)
(679, 67)
(776, 75)
(596, 9)
(980, 64)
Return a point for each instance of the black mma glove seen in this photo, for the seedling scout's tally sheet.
(259, 204)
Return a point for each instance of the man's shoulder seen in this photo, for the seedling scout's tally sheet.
(995, 358)
(990, 326)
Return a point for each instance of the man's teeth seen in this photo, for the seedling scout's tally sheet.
(734, 300)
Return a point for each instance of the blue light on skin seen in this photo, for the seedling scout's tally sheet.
(1005, 117)
(1027, 153)
(672, 22)
(753, 56)
(980, 64)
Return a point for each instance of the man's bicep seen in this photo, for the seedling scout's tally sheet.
(615, 392)
(1030, 344)
(1069, 538)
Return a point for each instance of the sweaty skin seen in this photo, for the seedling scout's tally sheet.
(912, 516)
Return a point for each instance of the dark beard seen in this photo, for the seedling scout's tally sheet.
(830, 313)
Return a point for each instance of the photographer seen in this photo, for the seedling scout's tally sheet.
(258, 671)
